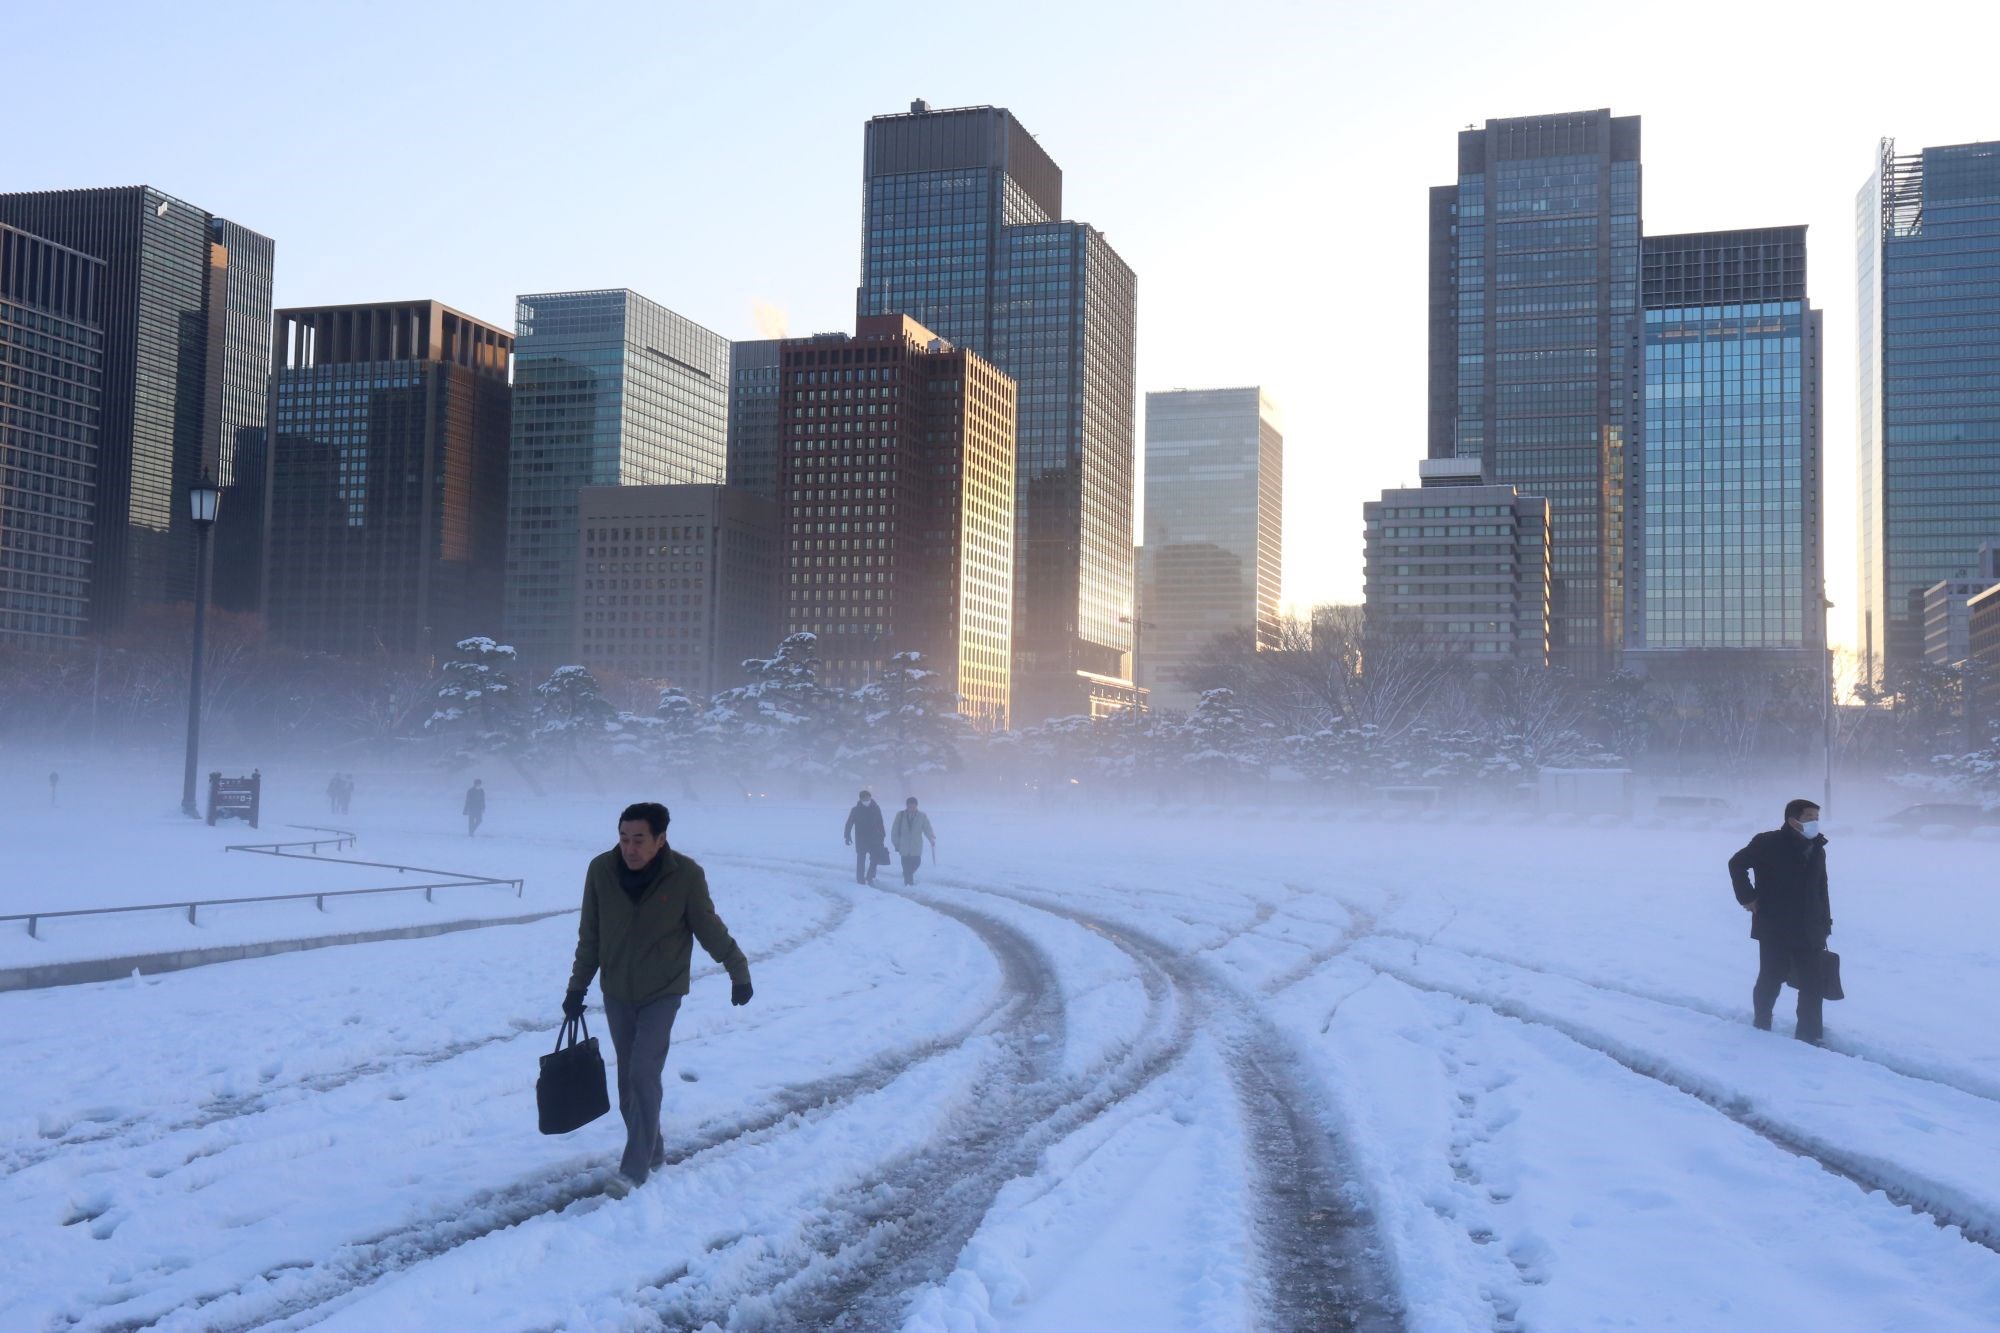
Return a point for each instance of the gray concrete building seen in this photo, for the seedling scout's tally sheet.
(678, 584)
(1948, 618)
(1461, 566)
(1213, 561)
(610, 389)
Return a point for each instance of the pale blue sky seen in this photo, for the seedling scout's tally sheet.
(1262, 165)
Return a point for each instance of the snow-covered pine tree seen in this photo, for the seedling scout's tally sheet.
(478, 707)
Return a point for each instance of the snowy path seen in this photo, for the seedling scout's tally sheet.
(1139, 1090)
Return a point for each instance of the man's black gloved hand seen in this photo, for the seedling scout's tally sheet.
(740, 993)
(573, 1004)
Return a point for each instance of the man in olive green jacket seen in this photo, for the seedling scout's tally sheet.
(644, 905)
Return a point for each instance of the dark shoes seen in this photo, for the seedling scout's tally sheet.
(1762, 1022)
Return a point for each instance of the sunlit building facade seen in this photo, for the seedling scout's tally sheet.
(1724, 528)
(753, 416)
(898, 483)
(962, 231)
(1927, 421)
(610, 389)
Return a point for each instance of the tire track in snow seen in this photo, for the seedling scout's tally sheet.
(1985, 1090)
(856, 1260)
(345, 1276)
(131, 1132)
(1324, 1266)
(1935, 1201)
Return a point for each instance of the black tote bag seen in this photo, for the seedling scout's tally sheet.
(1829, 976)
(571, 1091)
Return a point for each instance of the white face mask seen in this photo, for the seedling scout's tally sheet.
(1810, 828)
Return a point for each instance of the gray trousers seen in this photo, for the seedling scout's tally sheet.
(640, 1034)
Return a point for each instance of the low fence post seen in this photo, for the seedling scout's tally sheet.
(320, 902)
(427, 893)
(31, 928)
(190, 914)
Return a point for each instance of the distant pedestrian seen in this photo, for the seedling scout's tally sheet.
(333, 794)
(907, 836)
(54, 779)
(1780, 879)
(475, 806)
(863, 832)
(644, 906)
(346, 793)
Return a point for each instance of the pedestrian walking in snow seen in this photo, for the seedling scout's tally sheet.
(863, 832)
(1780, 879)
(475, 806)
(644, 906)
(907, 836)
(54, 780)
(333, 794)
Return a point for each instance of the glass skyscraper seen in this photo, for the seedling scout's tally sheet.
(1724, 531)
(51, 381)
(961, 231)
(754, 434)
(1534, 341)
(388, 479)
(1928, 388)
(186, 331)
(610, 389)
(240, 264)
(1213, 558)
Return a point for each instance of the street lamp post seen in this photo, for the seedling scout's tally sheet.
(203, 498)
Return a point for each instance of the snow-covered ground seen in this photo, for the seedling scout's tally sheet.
(1224, 1069)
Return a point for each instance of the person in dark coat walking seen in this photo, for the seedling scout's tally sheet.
(864, 833)
(475, 806)
(1780, 879)
(644, 906)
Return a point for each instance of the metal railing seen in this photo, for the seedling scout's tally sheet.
(342, 838)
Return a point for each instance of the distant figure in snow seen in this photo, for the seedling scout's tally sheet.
(54, 778)
(863, 832)
(1780, 879)
(475, 806)
(907, 836)
(644, 906)
(333, 794)
(344, 796)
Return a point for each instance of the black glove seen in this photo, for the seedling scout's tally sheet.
(740, 993)
(573, 1004)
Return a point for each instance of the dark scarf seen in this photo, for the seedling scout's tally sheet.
(634, 882)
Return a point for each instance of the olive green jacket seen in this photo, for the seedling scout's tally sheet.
(643, 949)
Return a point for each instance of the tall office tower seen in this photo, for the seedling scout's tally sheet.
(1927, 429)
(961, 232)
(51, 355)
(1723, 531)
(898, 481)
(388, 478)
(753, 416)
(610, 389)
(239, 334)
(1459, 566)
(187, 310)
(1534, 341)
(1214, 552)
(679, 584)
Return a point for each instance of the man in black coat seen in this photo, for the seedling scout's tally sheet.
(864, 833)
(1780, 879)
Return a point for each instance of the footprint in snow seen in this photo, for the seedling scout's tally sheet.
(689, 1076)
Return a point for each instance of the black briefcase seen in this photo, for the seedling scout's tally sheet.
(571, 1091)
(1829, 976)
